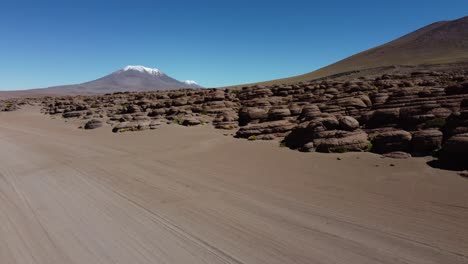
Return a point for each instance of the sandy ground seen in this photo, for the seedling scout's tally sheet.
(192, 195)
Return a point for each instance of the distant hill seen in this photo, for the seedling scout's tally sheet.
(438, 43)
(130, 78)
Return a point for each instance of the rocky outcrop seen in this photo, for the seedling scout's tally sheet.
(417, 112)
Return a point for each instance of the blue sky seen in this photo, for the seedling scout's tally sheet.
(217, 43)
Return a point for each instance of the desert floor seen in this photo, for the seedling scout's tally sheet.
(193, 195)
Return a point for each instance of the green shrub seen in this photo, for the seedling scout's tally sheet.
(339, 150)
(372, 136)
(368, 147)
(177, 121)
(438, 122)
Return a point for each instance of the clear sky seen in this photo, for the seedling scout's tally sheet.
(216, 43)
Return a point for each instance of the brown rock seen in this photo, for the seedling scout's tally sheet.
(389, 141)
(397, 155)
(455, 151)
(191, 122)
(341, 141)
(279, 128)
(426, 141)
(279, 113)
(93, 124)
(348, 123)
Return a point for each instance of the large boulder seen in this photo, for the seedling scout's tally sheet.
(310, 112)
(131, 126)
(155, 124)
(190, 121)
(329, 122)
(72, 114)
(455, 151)
(226, 120)
(340, 141)
(348, 123)
(457, 123)
(397, 155)
(383, 117)
(93, 124)
(251, 113)
(277, 128)
(389, 141)
(278, 113)
(426, 141)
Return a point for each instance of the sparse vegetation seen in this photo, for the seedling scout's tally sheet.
(438, 122)
(339, 150)
(372, 136)
(252, 138)
(178, 121)
(368, 147)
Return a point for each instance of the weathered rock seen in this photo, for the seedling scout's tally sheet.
(348, 123)
(278, 128)
(455, 151)
(310, 112)
(389, 141)
(308, 147)
(426, 141)
(72, 114)
(279, 113)
(252, 113)
(155, 124)
(93, 124)
(341, 141)
(329, 122)
(131, 126)
(191, 122)
(397, 155)
(384, 117)
(295, 109)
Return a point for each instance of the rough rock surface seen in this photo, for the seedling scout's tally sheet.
(455, 151)
(397, 155)
(426, 141)
(93, 124)
(390, 141)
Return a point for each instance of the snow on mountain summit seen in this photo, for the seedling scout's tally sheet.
(190, 82)
(143, 69)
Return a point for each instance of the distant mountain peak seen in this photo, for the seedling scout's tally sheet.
(143, 69)
(132, 78)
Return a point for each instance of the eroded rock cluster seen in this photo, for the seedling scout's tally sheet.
(418, 113)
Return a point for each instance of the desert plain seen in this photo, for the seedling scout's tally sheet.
(193, 195)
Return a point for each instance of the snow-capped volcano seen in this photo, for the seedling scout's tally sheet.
(143, 69)
(130, 78)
